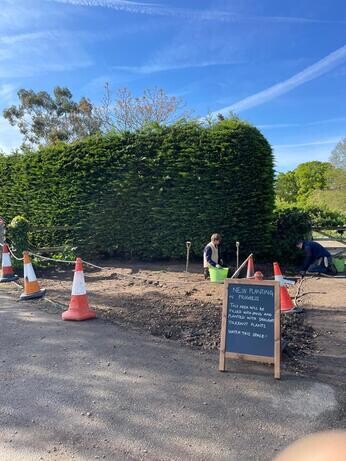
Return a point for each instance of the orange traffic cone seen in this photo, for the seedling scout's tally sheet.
(7, 274)
(250, 268)
(258, 275)
(79, 306)
(285, 299)
(31, 286)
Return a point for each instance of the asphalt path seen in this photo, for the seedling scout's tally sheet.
(94, 390)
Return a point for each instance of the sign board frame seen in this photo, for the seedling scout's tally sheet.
(276, 359)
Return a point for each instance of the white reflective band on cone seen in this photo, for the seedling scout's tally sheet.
(29, 273)
(78, 286)
(6, 260)
(280, 278)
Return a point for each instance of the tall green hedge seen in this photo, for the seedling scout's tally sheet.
(144, 194)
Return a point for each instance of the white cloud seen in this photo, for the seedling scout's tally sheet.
(319, 142)
(309, 73)
(209, 15)
(297, 125)
(24, 55)
(18, 38)
(153, 68)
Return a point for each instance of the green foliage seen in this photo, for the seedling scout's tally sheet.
(67, 254)
(45, 119)
(338, 155)
(290, 225)
(312, 184)
(311, 176)
(286, 187)
(144, 193)
(334, 195)
(324, 217)
(18, 232)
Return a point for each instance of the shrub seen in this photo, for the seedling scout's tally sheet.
(144, 194)
(290, 225)
(18, 232)
(323, 217)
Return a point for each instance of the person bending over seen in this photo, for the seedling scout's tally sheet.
(317, 258)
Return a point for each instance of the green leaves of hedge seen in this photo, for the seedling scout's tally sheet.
(144, 194)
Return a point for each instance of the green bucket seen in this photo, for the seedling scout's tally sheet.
(339, 264)
(218, 275)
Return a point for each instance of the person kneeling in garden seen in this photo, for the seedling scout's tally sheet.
(317, 258)
(211, 254)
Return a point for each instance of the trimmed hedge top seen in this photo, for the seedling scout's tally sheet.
(144, 194)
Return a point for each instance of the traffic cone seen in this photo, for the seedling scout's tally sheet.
(279, 277)
(7, 274)
(31, 286)
(258, 275)
(79, 306)
(250, 268)
(285, 299)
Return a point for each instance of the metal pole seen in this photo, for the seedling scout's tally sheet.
(188, 246)
(237, 245)
(240, 267)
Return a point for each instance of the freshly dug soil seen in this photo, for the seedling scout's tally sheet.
(165, 301)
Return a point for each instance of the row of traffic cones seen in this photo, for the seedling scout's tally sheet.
(79, 305)
(286, 302)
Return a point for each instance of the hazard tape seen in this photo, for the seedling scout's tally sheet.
(300, 284)
(11, 251)
(87, 263)
(119, 274)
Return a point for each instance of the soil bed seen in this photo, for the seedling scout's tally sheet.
(165, 301)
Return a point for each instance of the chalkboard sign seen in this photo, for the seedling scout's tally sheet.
(251, 322)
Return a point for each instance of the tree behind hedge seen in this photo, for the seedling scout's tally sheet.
(143, 194)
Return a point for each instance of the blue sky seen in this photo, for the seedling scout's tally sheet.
(279, 64)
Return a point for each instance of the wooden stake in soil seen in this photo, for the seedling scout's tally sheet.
(188, 246)
(237, 245)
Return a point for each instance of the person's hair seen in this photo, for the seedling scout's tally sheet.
(215, 237)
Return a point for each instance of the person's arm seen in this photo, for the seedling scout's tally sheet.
(307, 259)
(208, 255)
(220, 261)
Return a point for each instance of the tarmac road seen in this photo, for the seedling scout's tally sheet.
(92, 390)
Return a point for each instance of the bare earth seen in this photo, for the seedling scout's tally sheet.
(165, 301)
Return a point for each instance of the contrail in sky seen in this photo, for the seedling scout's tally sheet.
(321, 67)
(156, 9)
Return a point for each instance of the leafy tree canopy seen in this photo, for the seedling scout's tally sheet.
(44, 119)
(313, 183)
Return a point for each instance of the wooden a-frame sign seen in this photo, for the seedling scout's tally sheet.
(250, 328)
